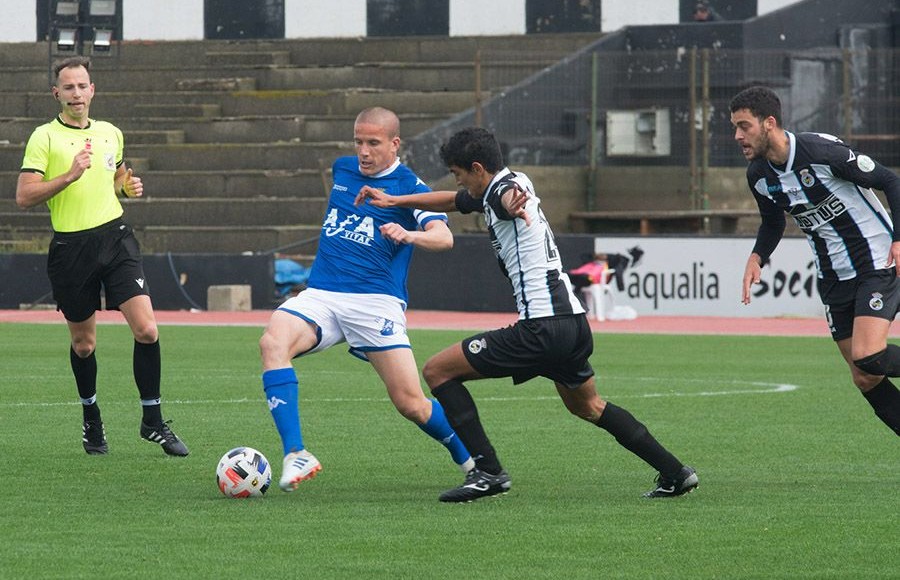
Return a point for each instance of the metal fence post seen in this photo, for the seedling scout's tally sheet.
(692, 129)
(846, 95)
(704, 167)
(478, 112)
(594, 144)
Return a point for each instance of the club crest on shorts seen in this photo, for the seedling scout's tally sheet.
(476, 346)
(387, 328)
(876, 303)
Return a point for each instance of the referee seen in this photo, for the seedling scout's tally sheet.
(76, 166)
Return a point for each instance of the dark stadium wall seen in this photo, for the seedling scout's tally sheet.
(225, 19)
(466, 278)
(177, 281)
(814, 23)
(726, 9)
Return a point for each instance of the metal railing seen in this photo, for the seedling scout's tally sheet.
(561, 115)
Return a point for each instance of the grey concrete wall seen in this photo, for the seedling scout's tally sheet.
(562, 190)
(668, 188)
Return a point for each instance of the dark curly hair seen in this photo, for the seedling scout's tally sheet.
(472, 144)
(762, 102)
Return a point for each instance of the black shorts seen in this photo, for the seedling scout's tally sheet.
(557, 348)
(79, 263)
(871, 294)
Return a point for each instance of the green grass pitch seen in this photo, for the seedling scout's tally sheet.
(798, 478)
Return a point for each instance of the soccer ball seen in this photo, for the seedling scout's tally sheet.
(243, 472)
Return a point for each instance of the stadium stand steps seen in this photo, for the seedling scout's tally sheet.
(167, 137)
(231, 183)
(228, 239)
(426, 77)
(234, 140)
(219, 211)
(254, 57)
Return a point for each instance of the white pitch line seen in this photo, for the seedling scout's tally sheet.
(768, 388)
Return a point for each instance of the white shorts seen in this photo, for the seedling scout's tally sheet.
(366, 322)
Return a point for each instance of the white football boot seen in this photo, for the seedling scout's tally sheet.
(298, 466)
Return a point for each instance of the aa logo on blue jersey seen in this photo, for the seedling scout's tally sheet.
(355, 228)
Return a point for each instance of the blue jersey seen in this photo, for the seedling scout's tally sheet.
(352, 255)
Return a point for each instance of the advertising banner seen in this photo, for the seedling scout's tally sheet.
(702, 277)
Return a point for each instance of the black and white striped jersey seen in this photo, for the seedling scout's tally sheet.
(528, 255)
(826, 187)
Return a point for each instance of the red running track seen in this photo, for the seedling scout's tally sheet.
(482, 321)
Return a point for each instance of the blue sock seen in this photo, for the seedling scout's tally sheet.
(281, 390)
(439, 429)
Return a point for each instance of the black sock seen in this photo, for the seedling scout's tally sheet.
(634, 436)
(147, 377)
(462, 414)
(885, 400)
(85, 371)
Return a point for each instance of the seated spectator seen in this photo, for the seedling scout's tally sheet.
(703, 12)
(591, 272)
(597, 269)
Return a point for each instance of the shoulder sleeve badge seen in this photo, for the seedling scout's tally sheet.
(865, 163)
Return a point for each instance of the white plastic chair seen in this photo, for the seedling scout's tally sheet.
(599, 297)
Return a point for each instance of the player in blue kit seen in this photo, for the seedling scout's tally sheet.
(356, 293)
(825, 186)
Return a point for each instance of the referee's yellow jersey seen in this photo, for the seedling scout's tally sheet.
(90, 201)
